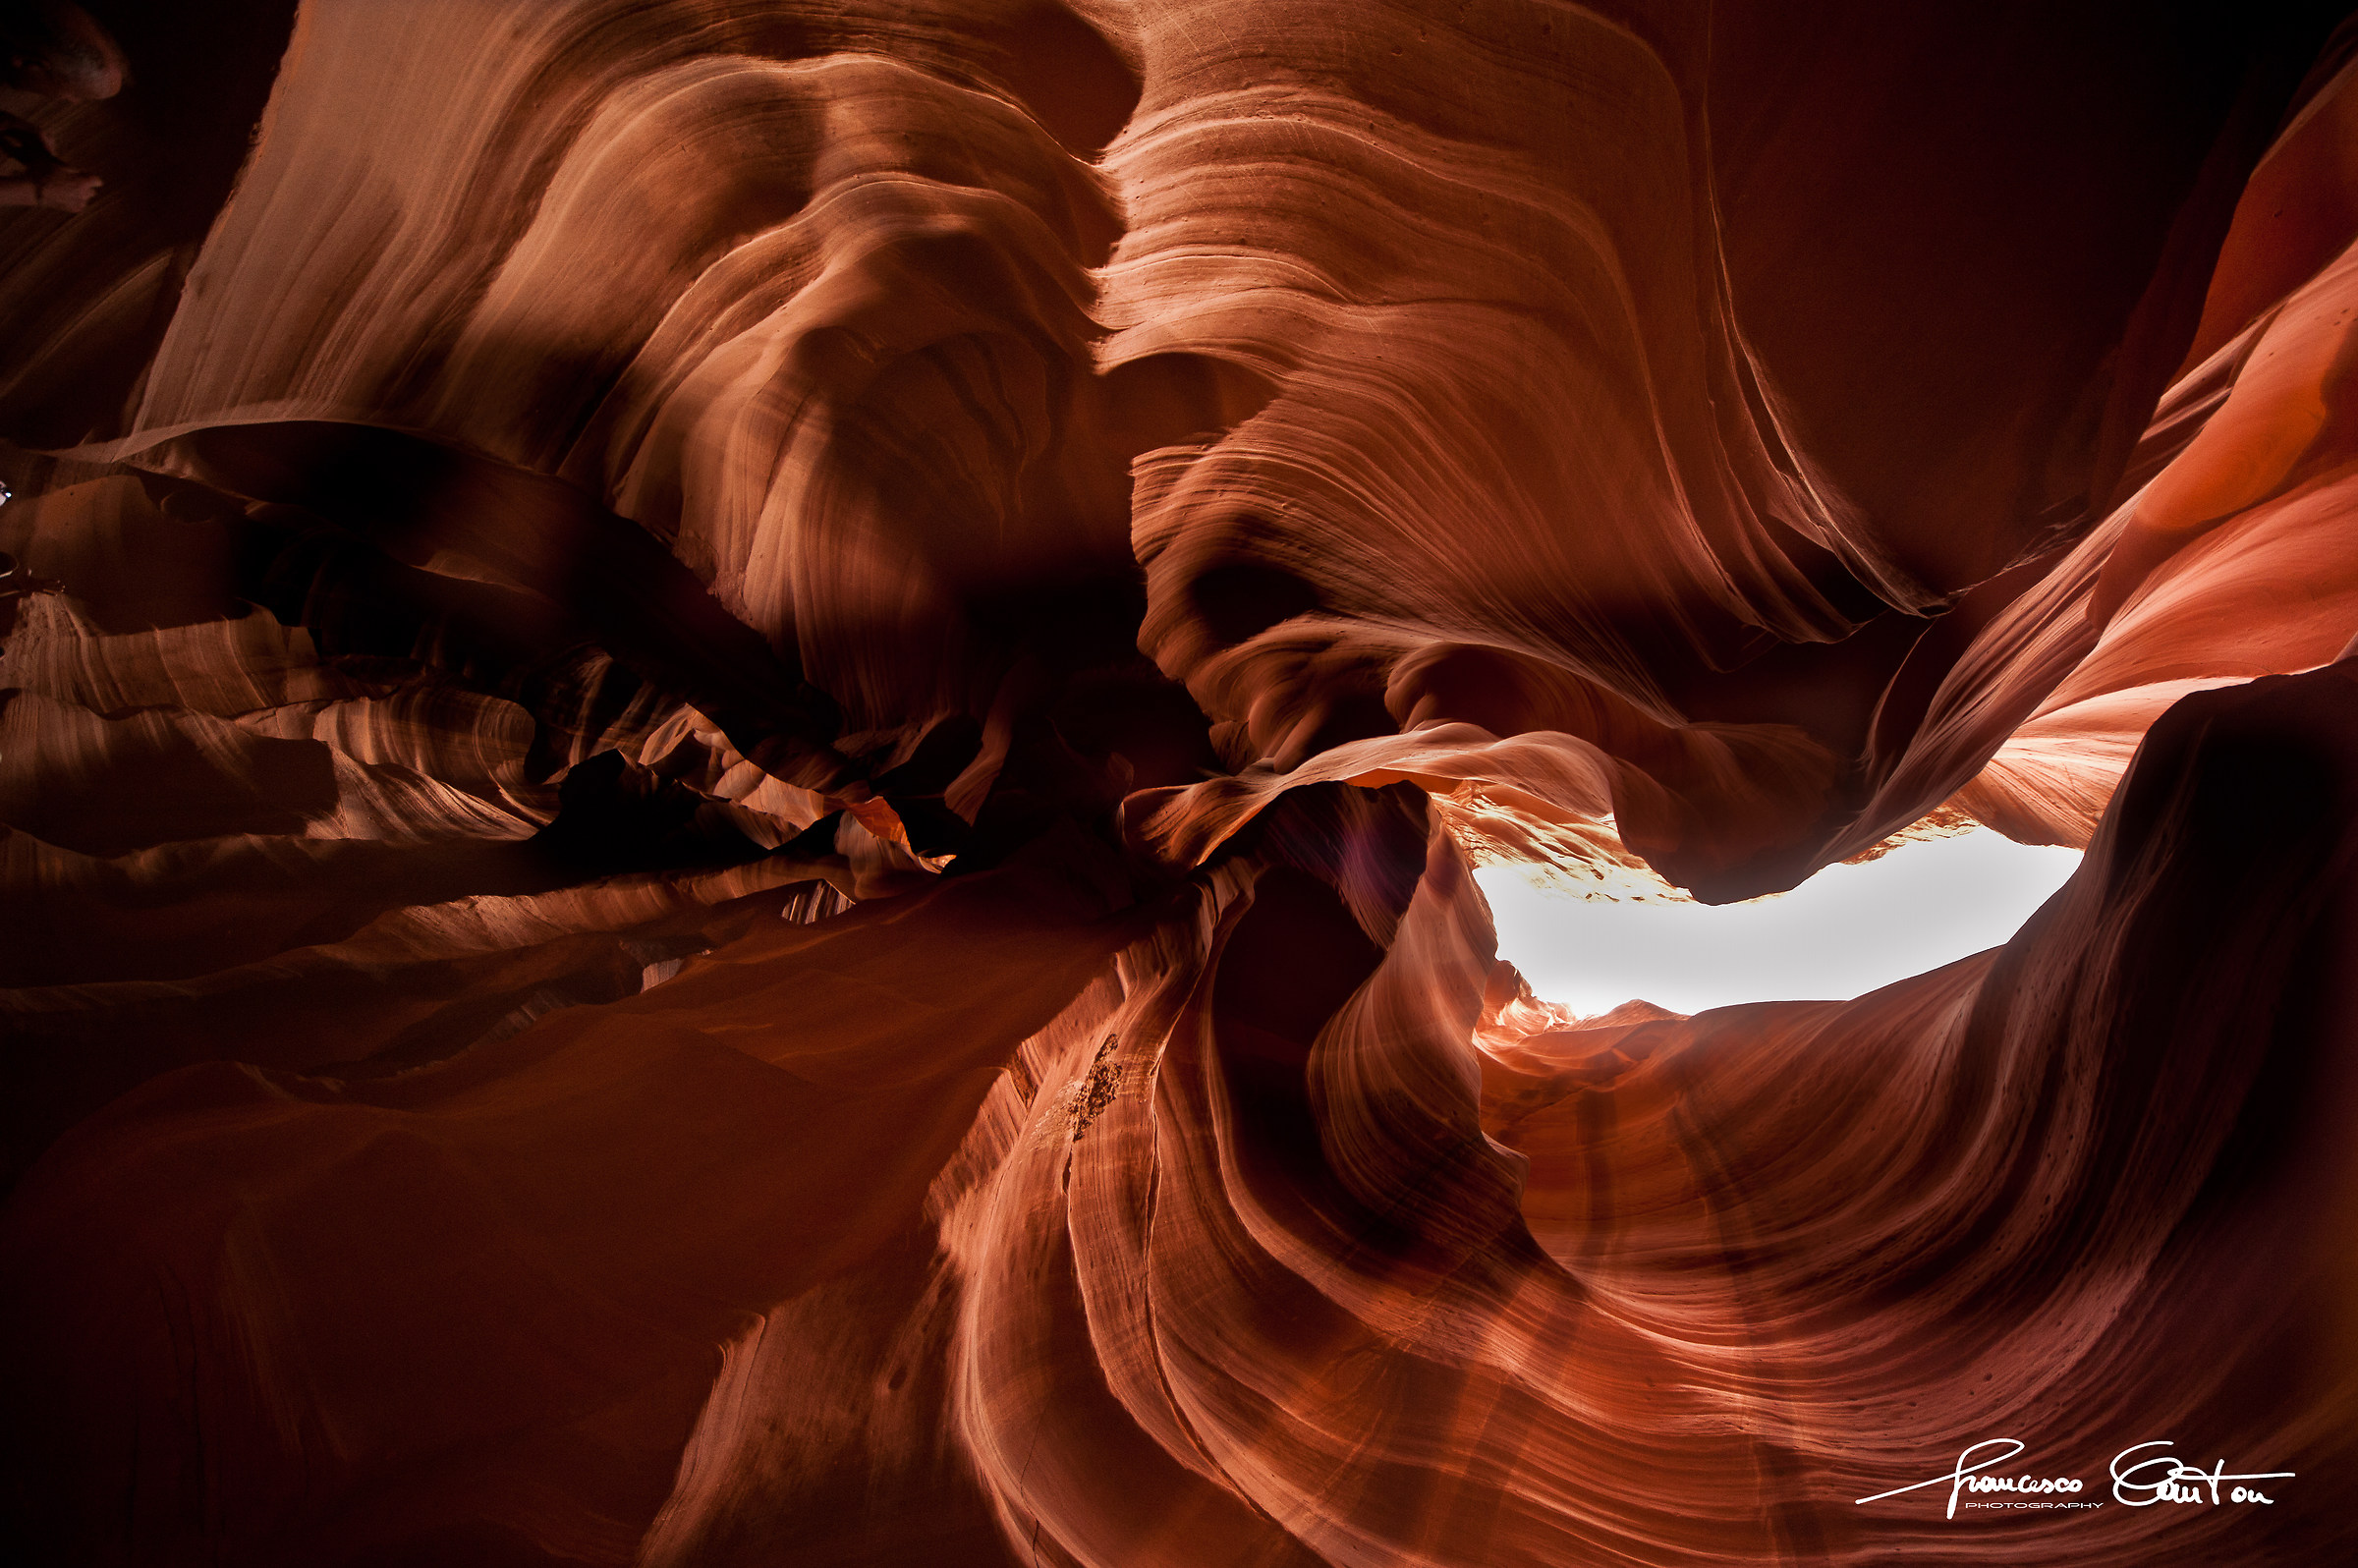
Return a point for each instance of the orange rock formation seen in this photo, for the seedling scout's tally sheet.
(741, 742)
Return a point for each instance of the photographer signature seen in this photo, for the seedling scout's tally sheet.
(2160, 1478)
(1966, 1478)
(2172, 1485)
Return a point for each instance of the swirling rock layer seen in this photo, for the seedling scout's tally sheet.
(740, 748)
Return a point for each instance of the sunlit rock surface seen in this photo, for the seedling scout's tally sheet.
(741, 750)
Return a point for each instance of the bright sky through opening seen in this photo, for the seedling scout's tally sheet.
(1847, 930)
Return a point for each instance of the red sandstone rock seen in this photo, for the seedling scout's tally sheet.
(740, 745)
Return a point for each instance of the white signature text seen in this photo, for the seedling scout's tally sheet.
(2166, 1481)
(1966, 1478)
(2139, 1483)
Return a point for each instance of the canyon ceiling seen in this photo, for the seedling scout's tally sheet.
(742, 742)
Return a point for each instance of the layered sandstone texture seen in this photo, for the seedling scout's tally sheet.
(741, 742)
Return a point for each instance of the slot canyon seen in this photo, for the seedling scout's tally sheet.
(744, 748)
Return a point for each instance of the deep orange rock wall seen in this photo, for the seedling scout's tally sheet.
(741, 744)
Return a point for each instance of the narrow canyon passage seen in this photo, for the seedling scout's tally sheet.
(1178, 782)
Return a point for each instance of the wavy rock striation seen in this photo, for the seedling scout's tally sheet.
(740, 749)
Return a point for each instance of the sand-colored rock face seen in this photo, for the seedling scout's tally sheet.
(741, 744)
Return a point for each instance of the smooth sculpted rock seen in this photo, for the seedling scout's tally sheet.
(742, 746)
